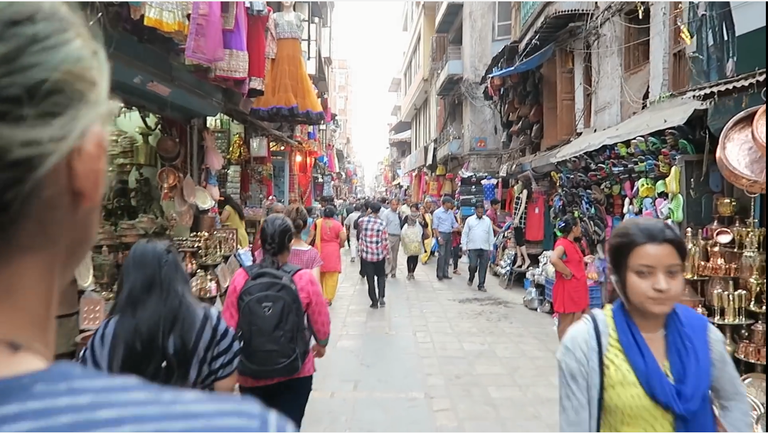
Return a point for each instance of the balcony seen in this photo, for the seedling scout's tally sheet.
(545, 21)
(527, 10)
(451, 72)
(448, 143)
(446, 17)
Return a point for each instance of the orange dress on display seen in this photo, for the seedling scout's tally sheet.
(288, 92)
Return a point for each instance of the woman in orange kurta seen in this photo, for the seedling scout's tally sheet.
(329, 236)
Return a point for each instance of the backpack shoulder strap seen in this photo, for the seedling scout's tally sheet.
(290, 269)
(601, 366)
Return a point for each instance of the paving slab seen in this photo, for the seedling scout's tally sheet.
(440, 357)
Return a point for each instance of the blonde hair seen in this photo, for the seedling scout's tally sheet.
(54, 88)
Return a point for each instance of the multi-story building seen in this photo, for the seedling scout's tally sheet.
(341, 103)
(602, 63)
(450, 46)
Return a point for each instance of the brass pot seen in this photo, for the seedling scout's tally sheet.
(726, 206)
(144, 154)
(758, 334)
(168, 150)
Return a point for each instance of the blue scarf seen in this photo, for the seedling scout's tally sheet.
(689, 358)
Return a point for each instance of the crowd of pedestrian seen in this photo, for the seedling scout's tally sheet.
(645, 362)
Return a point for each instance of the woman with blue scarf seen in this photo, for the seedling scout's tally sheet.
(647, 362)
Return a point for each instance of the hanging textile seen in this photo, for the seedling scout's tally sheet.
(235, 32)
(205, 44)
(169, 18)
(261, 47)
(288, 92)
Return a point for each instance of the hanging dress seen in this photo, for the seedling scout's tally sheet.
(205, 44)
(168, 17)
(288, 92)
(235, 30)
(261, 46)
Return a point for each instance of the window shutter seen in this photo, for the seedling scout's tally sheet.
(566, 96)
(549, 103)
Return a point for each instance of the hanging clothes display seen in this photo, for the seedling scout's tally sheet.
(205, 44)
(534, 226)
(235, 31)
(288, 91)
(168, 17)
(262, 45)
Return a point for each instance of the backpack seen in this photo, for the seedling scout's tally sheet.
(272, 329)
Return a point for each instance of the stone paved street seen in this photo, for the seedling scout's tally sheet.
(439, 357)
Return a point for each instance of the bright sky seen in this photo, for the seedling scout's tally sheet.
(368, 35)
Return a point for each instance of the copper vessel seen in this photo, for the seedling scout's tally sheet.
(758, 130)
(738, 157)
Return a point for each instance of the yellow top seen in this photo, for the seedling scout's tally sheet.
(626, 406)
(235, 222)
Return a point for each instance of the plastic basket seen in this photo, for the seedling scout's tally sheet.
(548, 285)
(595, 296)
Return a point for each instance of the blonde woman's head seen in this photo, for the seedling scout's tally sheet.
(54, 112)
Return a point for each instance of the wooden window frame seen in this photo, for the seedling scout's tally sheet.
(679, 76)
(635, 40)
(497, 22)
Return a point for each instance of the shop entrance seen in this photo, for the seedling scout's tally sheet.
(280, 176)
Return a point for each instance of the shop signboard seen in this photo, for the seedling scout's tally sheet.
(479, 143)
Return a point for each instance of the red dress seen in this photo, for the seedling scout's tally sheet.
(260, 46)
(571, 296)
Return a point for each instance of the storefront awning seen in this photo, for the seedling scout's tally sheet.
(657, 117)
(404, 136)
(527, 64)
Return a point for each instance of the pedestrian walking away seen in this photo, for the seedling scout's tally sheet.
(412, 235)
(648, 362)
(56, 113)
(329, 236)
(477, 240)
(392, 220)
(155, 314)
(456, 252)
(302, 254)
(426, 214)
(356, 226)
(268, 303)
(443, 225)
(349, 225)
(374, 250)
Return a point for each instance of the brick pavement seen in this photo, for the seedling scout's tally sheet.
(439, 357)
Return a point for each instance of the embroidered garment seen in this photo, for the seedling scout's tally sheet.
(261, 46)
(288, 91)
(235, 63)
(205, 44)
(168, 17)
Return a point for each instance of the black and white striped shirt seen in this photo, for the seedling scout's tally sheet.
(68, 397)
(215, 358)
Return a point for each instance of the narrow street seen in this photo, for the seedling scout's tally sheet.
(439, 357)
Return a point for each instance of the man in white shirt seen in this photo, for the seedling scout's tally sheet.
(392, 220)
(405, 209)
(477, 242)
(349, 224)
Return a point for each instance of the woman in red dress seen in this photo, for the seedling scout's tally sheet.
(570, 294)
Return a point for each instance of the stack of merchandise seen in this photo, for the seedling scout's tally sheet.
(233, 182)
(470, 192)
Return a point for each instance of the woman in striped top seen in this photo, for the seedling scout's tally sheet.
(159, 331)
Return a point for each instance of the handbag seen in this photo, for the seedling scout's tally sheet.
(313, 242)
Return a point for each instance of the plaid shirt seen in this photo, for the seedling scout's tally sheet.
(373, 243)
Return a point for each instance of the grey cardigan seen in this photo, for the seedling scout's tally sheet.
(580, 379)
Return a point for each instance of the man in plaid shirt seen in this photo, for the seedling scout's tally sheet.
(374, 250)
